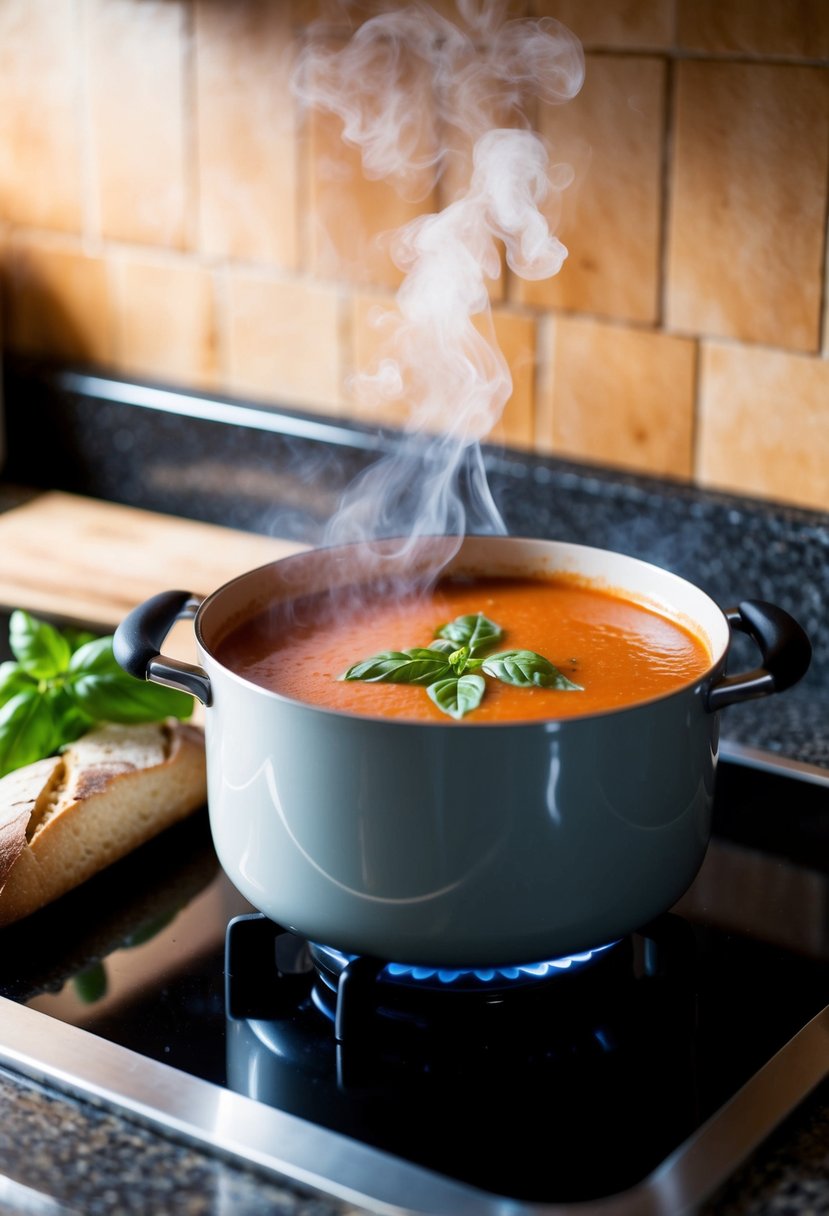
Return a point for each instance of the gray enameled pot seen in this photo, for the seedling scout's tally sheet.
(461, 845)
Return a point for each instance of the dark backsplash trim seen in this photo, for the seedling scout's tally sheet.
(280, 471)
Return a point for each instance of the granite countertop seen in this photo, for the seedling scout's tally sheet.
(80, 1157)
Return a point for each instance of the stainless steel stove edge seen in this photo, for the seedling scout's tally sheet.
(76, 1062)
(772, 762)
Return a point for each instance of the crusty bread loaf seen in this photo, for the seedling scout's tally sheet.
(64, 819)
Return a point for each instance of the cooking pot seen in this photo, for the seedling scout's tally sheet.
(460, 844)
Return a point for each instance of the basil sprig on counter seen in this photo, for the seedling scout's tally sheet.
(448, 667)
(61, 683)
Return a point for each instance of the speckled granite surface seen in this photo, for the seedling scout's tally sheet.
(80, 1158)
(789, 1175)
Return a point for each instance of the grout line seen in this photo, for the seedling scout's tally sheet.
(685, 54)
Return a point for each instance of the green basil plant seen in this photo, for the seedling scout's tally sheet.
(61, 683)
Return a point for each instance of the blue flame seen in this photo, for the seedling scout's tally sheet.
(525, 972)
(492, 975)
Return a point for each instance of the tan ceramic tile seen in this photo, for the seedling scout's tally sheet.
(747, 224)
(611, 135)
(798, 29)
(825, 346)
(515, 337)
(137, 102)
(474, 100)
(380, 340)
(165, 321)
(246, 131)
(353, 213)
(40, 119)
(764, 424)
(283, 341)
(374, 322)
(620, 397)
(349, 220)
(57, 302)
(631, 24)
(452, 92)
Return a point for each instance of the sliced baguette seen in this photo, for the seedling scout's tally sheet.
(64, 819)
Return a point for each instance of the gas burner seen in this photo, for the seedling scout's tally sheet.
(363, 995)
(331, 963)
(408, 1051)
(270, 969)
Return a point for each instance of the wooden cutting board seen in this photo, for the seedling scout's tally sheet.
(84, 560)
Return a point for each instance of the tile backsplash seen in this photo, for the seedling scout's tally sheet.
(169, 212)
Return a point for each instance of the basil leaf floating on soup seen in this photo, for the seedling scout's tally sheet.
(457, 696)
(473, 630)
(456, 650)
(418, 665)
(626, 650)
(443, 646)
(526, 669)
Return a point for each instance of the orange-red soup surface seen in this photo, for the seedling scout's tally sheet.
(619, 651)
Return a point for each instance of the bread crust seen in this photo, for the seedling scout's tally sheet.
(64, 819)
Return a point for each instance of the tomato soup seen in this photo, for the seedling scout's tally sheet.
(614, 651)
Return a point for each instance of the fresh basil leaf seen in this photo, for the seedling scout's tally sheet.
(475, 630)
(526, 669)
(118, 697)
(443, 646)
(70, 720)
(14, 679)
(78, 637)
(27, 730)
(417, 665)
(457, 696)
(96, 656)
(38, 646)
(101, 688)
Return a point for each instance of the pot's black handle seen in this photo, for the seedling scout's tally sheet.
(137, 644)
(784, 647)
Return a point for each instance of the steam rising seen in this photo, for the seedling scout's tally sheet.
(439, 352)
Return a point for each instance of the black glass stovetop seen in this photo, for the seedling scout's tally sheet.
(574, 1088)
